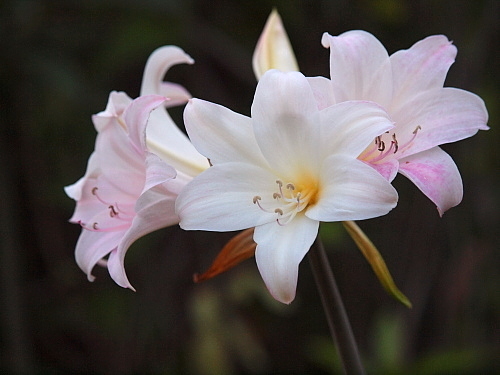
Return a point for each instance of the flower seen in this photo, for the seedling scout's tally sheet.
(282, 171)
(130, 184)
(409, 86)
(273, 50)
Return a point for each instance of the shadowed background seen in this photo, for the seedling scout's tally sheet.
(58, 63)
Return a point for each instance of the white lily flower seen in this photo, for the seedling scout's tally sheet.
(282, 171)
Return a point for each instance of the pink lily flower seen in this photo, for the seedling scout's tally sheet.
(409, 86)
(130, 187)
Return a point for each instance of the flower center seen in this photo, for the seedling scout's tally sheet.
(386, 145)
(289, 200)
(118, 218)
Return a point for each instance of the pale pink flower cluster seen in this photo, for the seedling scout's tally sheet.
(314, 149)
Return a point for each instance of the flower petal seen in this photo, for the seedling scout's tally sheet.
(388, 169)
(157, 172)
(221, 198)
(164, 138)
(359, 67)
(422, 67)
(444, 115)
(351, 190)
(159, 62)
(273, 50)
(434, 172)
(279, 251)
(176, 94)
(136, 117)
(349, 127)
(155, 210)
(91, 247)
(220, 134)
(117, 102)
(284, 113)
(323, 91)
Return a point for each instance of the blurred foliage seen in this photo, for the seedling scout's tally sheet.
(59, 60)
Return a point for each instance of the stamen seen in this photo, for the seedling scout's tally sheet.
(381, 146)
(395, 141)
(112, 211)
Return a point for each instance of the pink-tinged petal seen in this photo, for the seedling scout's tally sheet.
(444, 115)
(422, 67)
(157, 172)
(359, 67)
(273, 50)
(323, 91)
(284, 113)
(349, 127)
(159, 62)
(220, 134)
(155, 210)
(351, 190)
(136, 117)
(164, 138)
(279, 251)
(222, 198)
(176, 94)
(93, 246)
(388, 169)
(117, 102)
(435, 173)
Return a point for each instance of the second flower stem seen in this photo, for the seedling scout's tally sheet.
(340, 327)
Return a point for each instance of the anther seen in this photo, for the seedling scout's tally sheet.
(290, 186)
(381, 146)
(279, 211)
(112, 211)
(94, 226)
(395, 142)
(276, 196)
(256, 199)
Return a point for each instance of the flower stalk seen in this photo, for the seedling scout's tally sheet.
(338, 321)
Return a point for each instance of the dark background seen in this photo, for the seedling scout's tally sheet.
(58, 62)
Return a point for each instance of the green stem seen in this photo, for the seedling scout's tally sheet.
(340, 328)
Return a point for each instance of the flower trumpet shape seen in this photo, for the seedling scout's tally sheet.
(282, 171)
(409, 86)
(133, 179)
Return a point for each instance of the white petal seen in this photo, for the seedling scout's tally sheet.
(220, 134)
(164, 138)
(349, 127)
(279, 251)
(359, 67)
(93, 246)
(444, 115)
(136, 118)
(159, 62)
(435, 173)
(351, 190)
(422, 67)
(284, 115)
(155, 210)
(221, 198)
(157, 172)
(323, 91)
